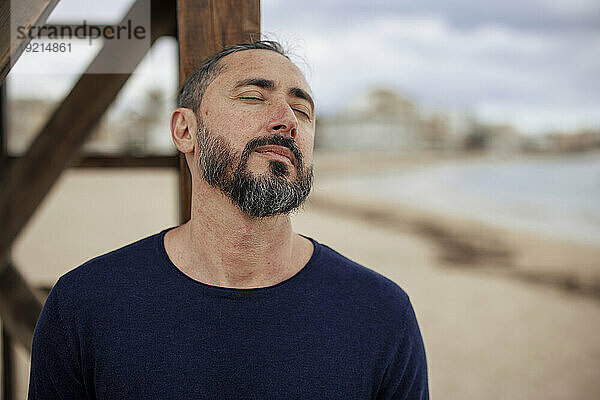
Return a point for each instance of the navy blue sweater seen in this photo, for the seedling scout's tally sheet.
(130, 325)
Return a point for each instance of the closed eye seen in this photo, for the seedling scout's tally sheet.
(251, 98)
(302, 112)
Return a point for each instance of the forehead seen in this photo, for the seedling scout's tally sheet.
(265, 64)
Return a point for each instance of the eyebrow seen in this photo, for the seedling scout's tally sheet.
(300, 93)
(270, 85)
(261, 83)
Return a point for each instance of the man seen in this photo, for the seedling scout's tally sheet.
(232, 304)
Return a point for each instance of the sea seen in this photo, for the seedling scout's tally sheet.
(552, 196)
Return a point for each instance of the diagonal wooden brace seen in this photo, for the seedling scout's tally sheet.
(22, 13)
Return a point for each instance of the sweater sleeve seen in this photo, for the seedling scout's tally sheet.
(55, 368)
(406, 376)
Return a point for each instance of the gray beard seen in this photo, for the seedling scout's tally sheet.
(257, 196)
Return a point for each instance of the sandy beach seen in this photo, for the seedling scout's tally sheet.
(503, 313)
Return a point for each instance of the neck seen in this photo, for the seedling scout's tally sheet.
(222, 246)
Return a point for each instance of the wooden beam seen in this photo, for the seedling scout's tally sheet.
(31, 176)
(22, 13)
(8, 365)
(127, 162)
(204, 28)
(120, 161)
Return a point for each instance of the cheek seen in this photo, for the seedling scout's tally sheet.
(235, 130)
(306, 147)
(236, 126)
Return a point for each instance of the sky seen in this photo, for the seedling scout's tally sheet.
(533, 64)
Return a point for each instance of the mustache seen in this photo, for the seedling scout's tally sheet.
(276, 140)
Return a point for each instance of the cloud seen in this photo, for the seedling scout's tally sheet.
(463, 14)
(493, 61)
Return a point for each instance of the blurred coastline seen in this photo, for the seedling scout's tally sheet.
(552, 195)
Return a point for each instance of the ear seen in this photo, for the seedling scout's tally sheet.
(184, 126)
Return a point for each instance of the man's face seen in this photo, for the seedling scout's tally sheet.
(256, 133)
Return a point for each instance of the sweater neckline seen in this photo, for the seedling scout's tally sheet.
(236, 292)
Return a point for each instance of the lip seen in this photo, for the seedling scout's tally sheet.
(276, 151)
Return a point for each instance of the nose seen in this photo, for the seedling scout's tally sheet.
(284, 121)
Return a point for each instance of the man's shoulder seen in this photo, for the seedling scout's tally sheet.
(362, 283)
(123, 262)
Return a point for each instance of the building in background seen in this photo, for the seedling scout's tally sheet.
(384, 120)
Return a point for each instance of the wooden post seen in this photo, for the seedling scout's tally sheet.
(8, 367)
(3, 131)
(204, 28)
(8, 364)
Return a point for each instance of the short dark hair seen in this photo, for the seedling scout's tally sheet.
(190, 94)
